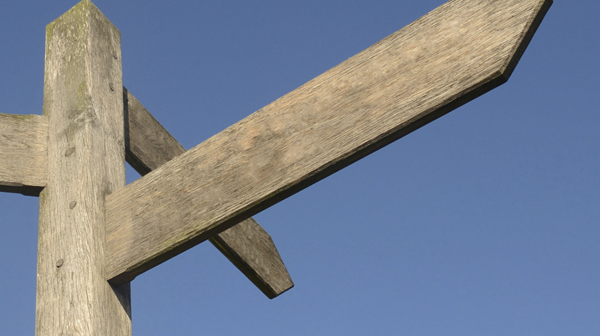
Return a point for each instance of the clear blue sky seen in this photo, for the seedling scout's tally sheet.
(485, 222)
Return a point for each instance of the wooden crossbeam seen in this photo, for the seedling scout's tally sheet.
(148, 145)
(247, 245)
(23, 153)
(448, 57)
(23, 169)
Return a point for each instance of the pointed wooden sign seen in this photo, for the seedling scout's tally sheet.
(448, 57)
(96, 234)
(24, 169)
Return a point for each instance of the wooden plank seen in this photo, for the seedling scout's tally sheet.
(83, 101)
(23, 153)
(148, 145)
(247, 245)
(448, 57)
(250, 248)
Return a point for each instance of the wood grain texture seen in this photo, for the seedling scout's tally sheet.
(148, 145)
(448, 57)
(23, 153)
(247, 245)
(250, 248)
(83, 101)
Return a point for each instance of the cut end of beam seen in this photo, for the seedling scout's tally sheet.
(23, 153)
(250, 248)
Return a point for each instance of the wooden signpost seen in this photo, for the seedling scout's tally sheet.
(96, 234)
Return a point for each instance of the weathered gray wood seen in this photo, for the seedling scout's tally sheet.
(250, 248)
(23, 153)
(448, 57)
(83, 101)
(247, 245)
(148, 145)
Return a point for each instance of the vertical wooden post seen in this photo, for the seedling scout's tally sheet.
(83, 100)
